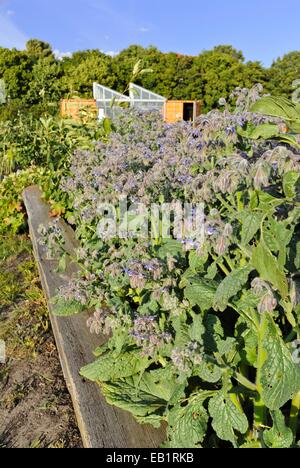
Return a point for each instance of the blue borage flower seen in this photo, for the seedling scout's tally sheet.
(148, 336)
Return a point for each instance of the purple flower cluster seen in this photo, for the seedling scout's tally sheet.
(52, 238)
(184, 359)
(101, 321)
(74, 290)
(148, 336)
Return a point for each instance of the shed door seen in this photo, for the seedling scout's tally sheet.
(188, 111)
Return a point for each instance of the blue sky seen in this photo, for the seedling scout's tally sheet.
(263, 29)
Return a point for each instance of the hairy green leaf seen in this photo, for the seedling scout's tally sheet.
(227, 418)
(110, 366)
(291, 184)
(280, 436)
(208, 372)
(187, 425)
(145, 397)
(201, 292)
(280, 375)
(230, 286)
(267, 266)
(277, 107)
(63, 308)
(251, 221)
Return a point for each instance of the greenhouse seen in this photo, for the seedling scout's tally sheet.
(110, 102)
(144, 99)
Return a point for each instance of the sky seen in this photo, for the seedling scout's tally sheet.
(262, 29)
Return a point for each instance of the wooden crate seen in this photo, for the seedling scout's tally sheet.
(75, 108)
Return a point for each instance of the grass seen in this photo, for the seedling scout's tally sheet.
(23, 313)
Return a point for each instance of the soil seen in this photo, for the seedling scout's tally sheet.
(35, 406)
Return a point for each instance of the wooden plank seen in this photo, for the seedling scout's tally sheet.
(101, 425)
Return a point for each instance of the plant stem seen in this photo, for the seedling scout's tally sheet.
(245, 382)
(294, 414)
(259, 407)
(221, 265)
(229, 262)
(236, 401)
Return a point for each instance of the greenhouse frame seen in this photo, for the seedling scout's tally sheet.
(110, 102)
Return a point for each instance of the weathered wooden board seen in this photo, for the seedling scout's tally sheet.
(100, 424)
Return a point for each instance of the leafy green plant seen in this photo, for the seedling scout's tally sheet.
(12, 212)
(200, 335)
(287, 127)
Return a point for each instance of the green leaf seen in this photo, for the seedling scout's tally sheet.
(106, 125)
(277, 107)
(187, 425)
(197, 329)
(170, 247)
(214, 333)
(182, 332)
(196, 261)
(63, 308)
(226, 346)
(277, 235)
(187, 278)
(265, 131)
(251, 221)
(267, 266)
(280, 436)
(111, 366)
(290, 184)
(227, 418)
(201, 292)
(212, 271)
(280, 375)
(145, 397)
(230, 286)
(208, 372)
(246, 335)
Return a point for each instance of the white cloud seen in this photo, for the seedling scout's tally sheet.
(112, 53)
(60, 55)
(10, 34)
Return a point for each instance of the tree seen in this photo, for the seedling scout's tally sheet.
(169, 72)
(45, 86)
(83, 68)
(37, 49)
(216, 73)
(15, 70)
(283, 72)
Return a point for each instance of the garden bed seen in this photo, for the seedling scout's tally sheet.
(100, 425)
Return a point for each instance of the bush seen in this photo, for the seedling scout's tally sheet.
(203, 335)
(12, 212)
(48, 141)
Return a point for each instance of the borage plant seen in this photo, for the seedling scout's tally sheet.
(201, 335)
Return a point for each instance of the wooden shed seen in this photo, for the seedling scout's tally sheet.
(175, 111)
(73, 108)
